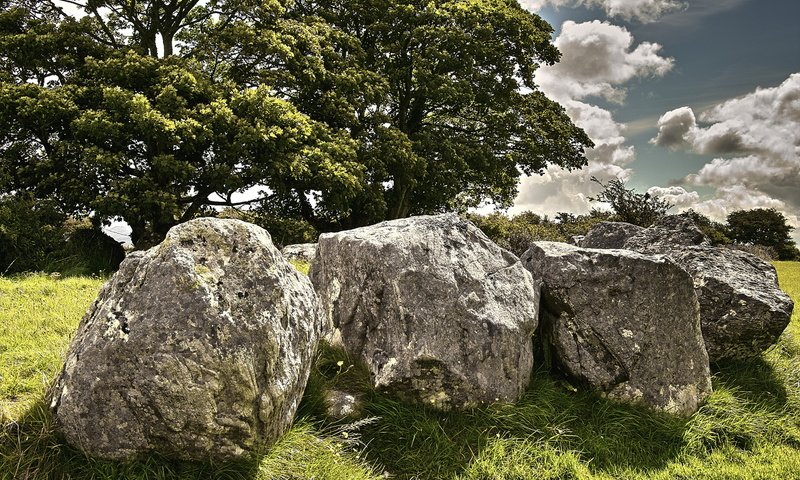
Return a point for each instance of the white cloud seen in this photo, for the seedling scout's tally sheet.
(755, 140)
(642, 10)
(674, 128)
(596, 59)
(677, 196)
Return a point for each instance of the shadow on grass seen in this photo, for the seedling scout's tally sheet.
(750, 408)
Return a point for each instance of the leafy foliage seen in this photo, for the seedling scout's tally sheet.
(766, 227)
(30, 231)
(630, 206)
(339, 113)
(518, 232)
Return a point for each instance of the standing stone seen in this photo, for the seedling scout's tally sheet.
(440, 314)
(623, 323)
(196, 349)
(303, 252)
(742, 309)
(609, 235)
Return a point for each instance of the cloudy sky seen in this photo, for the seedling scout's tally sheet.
(696, 100)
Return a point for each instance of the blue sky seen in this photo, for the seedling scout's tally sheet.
(630, 69)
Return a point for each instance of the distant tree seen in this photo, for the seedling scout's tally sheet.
(630, 206)
(764, 226)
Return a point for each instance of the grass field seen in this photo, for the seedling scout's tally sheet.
(749, 428)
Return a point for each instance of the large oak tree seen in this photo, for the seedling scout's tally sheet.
(344, 112)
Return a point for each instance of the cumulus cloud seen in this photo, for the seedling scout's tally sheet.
(765, 123)
(755, 141)
(675, 195)
(642, 10)
(597, 58)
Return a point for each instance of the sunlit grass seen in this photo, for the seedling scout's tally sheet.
(749, 428)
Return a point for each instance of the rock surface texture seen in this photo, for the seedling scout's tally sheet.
(666, 234)
(623, 323)
(609, 235)
(303, 252)
(742, 309)
(198, 349)
(440, 314)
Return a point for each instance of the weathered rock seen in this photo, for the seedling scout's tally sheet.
(742, 309)
(623, 323)
(667, 233)
(198, 349)
(609, 235)
(303, 252)
(340, 404)
(439, 314)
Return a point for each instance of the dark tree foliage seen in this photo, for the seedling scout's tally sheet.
(339, 113)
(630, 206)
(764, 226)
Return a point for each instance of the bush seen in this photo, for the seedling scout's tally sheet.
(37, 236)
(31, 231)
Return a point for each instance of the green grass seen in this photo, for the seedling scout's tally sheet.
(749, 428)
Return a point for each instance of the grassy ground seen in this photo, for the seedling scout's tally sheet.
(749, 428)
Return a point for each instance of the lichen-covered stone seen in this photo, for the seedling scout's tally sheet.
(197, 349)
(303, 252)
(609, 235)
(623, 323)
(667, 233)
(440, 314)
(742, 309)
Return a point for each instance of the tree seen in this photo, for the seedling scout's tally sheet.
(340, 113)
(451, 127)
(630, 206)
(151, 140)
(763, 226)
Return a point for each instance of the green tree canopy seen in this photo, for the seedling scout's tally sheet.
(343, 113)
(763, 226)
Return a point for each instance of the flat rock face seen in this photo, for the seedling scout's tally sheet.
(440, 314)
(742, 309)
(623, 323)
(609, 235)
(197, 349)
(667, 233)
(303, 252)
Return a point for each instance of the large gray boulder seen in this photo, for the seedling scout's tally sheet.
(197, 349)
(742, 309)
(623, 323)
(666, 234)
(609, 235)
(440, 314)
